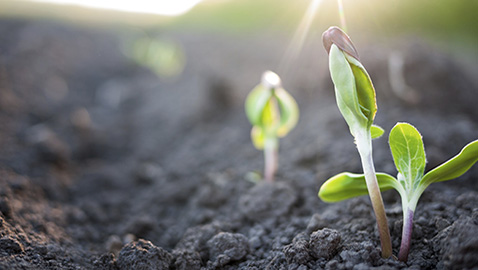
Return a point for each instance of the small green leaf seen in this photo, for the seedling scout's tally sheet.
(258, 137)
(255, 103)
(270, 118)
(408, 153)
(365, 89)
(346, 185)
(376, 131)
(454, 167)
(289, 112)
(271, 108)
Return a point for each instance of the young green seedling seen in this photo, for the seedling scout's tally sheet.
(409, 156)
(273, 113)
(355, 97)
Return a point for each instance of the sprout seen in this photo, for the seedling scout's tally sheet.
(273, 113)
(355, 97)
(409, 156)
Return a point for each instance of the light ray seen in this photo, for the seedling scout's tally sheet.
(299, 37)
(343, 23)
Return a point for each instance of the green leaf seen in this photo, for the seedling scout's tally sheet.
(345, 90)
(255, 103)
(270, 118)
(408, 153)
(364, 88)
(454, 167)
(258, 137)
(354, 90)
(346, 185)
(376, 131)
(289, 112)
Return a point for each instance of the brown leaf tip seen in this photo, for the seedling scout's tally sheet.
(335, 35)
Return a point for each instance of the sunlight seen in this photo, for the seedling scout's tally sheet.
(299, 37)
(159, 7)
(343, 24)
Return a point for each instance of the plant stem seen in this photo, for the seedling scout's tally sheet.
(364, 145)
(271, 146)
(406, 235)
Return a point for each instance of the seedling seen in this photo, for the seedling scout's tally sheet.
(409, 156)
(273, 113)
(355, 97)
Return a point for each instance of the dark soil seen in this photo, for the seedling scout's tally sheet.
(103, 165)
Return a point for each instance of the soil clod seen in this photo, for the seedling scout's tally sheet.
(143, 255)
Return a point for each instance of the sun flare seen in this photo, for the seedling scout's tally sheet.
(300, 35)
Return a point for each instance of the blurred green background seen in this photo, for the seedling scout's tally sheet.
(446, 19)
(451, 25)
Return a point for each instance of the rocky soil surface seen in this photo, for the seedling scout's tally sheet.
(104, 165)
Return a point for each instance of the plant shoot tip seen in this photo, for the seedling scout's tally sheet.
(271, 80)
(335, 35)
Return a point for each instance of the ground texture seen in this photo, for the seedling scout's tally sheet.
(103, 165)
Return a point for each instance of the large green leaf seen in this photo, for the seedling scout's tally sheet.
(255, 103)
(408, 153)
(346, 185)
(454, 167)
(289, 112)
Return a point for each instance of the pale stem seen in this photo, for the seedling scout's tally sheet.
(271, 146)
(364, 145)
(406, 235)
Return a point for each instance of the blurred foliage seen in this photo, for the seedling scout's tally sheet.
(449, 24)
(448, 20)
(243, 16)
(443, 18)
(163, 56)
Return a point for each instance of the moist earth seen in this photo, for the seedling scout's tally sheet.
(105, 165)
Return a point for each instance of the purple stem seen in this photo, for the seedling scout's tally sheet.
(365, 150)
(406, 235)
